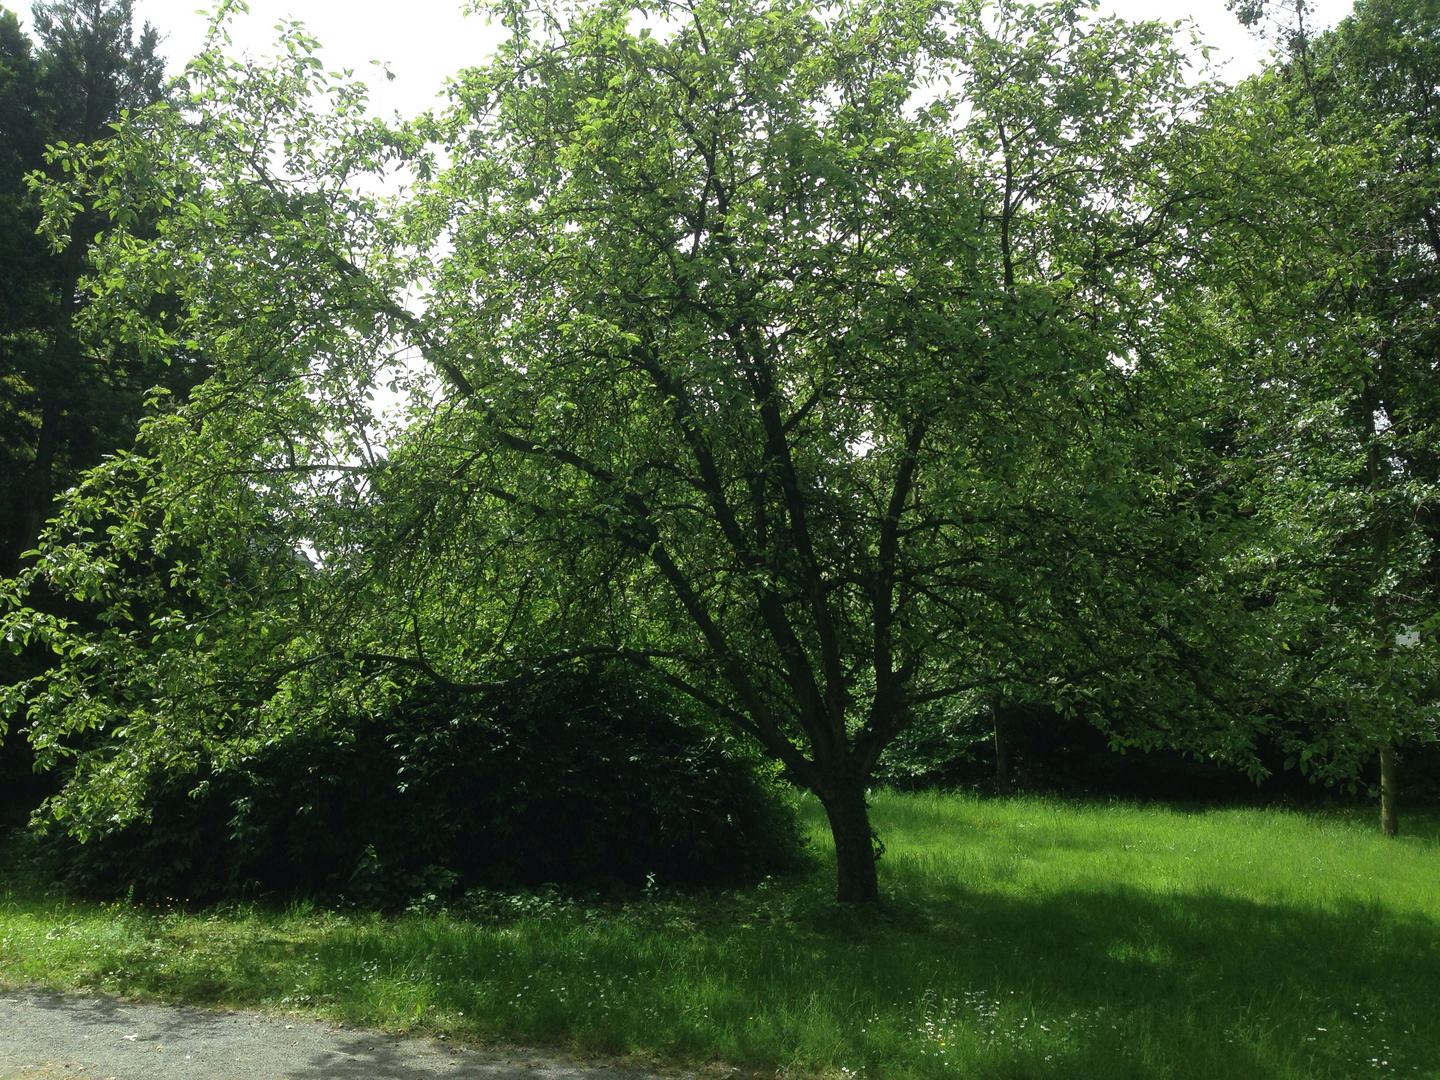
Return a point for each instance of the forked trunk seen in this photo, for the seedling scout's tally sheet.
(1389, 791)
(855, 853)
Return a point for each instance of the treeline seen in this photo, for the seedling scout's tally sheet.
(1087, 405)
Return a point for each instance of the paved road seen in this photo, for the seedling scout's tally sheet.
(99, 1038)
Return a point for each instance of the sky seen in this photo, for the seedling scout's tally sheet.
(425, 41)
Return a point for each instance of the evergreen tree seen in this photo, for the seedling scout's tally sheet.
(63, 404)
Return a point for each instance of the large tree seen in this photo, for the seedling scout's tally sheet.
(817, 359)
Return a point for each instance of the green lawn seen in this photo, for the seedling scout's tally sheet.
(1027, 938)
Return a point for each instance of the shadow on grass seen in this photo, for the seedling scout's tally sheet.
(1107, 984)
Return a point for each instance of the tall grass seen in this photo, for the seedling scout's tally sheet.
(1025, 938)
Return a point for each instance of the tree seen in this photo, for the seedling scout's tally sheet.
(747, 352)
(1330, 286)
(22, 146)
(63, 405)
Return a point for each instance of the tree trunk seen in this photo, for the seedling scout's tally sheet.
(855, 853)
(61, 375)
(1002, 763)
(39, 492)
(1389, 791)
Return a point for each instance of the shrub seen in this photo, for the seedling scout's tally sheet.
(593, 779)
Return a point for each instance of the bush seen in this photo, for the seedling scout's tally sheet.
(594, 780)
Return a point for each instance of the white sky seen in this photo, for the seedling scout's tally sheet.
(425, 41)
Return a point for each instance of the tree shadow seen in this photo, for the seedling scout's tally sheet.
(1199, 984)
(1130, 983)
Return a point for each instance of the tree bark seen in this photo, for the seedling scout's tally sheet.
(1002, 763)
(855, 853)
(1389, 791)
(1384, 632)
(57, 382)
(39, 491)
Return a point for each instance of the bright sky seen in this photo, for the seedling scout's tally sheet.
(425, 41)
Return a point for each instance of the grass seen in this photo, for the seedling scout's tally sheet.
(1026, 938)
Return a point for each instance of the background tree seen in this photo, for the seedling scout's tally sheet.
(1329, 292)
(64, 403)
(22, 145)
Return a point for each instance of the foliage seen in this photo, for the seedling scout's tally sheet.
(64, 403)
(211, 562)
(1024, 938)
(834, 367)
(1055, 753)
(1323, 270)
(747, 354)
(587, 780)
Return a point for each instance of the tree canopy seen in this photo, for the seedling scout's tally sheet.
(826, 362)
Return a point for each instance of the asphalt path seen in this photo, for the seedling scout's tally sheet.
(101, 1038)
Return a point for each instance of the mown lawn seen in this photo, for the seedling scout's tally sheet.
(1026, 938)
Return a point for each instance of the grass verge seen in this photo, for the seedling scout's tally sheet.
(1026, 938)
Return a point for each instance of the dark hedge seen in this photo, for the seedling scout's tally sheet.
(594, 780)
